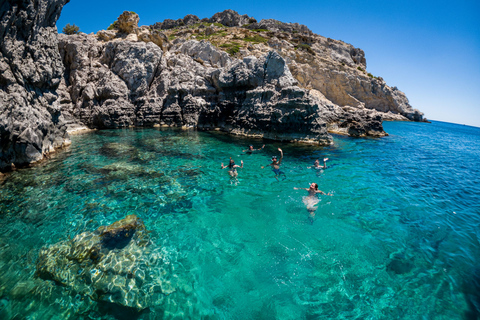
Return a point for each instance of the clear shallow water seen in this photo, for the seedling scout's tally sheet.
(399, 238)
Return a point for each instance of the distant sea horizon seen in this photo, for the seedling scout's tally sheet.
(462, 124)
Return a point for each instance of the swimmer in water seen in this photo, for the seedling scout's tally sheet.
(251, 150)
(312, 199)
(276, 166)
(317, 166)
(232, 168)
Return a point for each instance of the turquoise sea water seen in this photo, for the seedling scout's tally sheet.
(399, 238)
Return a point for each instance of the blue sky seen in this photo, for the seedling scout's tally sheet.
(428, 49)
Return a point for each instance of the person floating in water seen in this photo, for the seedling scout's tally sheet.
(276, 166)
(252, 150)
(312, 199)
(232, 168)
(317, 166)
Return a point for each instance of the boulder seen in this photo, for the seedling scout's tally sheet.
(230, 18)
(107, 35)
(127, 22)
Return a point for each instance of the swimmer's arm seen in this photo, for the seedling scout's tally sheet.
(295, 188)
(325, 194)
(325, 163)
(261, 147)
(281, 156)
(223, 167)
(241, 161)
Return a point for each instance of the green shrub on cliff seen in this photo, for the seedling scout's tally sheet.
(255, 39)
(306, 47)
(233, 47)
(233, 50)
(71, 29)
(112, 26)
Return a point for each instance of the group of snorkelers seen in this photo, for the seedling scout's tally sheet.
(232, 167)
(311, 200)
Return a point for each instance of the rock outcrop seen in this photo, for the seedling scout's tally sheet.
(31, 122)
(332, 67)
(121, 83)
(114, 263)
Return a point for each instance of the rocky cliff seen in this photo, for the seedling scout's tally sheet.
(212, 74)
(229, 72)
(30, 72)
(334, 68)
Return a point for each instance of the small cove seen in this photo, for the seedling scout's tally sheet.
(399, 238)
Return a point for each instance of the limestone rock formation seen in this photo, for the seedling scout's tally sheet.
(31, 122)
(332, 67)
(231, 18)
(127, 22)
(193, 85)
(114, 263)
(188, 20)
(266, 79)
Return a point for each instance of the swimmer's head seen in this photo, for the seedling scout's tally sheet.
(250, 147)
(274, 158)
(314, 186)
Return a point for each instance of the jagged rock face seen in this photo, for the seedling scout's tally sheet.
(333, 67)
(231, 18)
(188, 20)
(124, 83)
(278, 26)
(337, 70)
(133, 76)
(31, 123)
(227, 18)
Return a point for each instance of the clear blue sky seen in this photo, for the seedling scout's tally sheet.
(428, 49)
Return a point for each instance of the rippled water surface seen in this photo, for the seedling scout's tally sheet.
(399, 238)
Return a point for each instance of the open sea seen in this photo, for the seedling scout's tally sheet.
(398, 239)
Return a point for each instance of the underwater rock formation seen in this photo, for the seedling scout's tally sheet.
(110, 264)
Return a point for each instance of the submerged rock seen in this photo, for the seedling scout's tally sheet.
(114, 263)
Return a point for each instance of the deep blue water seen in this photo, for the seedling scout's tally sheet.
(399, 238)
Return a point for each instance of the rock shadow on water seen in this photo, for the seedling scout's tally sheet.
(120, 312)
(122, 151)
(122, 171)
(471, 290)
(400, 264)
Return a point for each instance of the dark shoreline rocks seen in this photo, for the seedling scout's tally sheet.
(31, 121)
